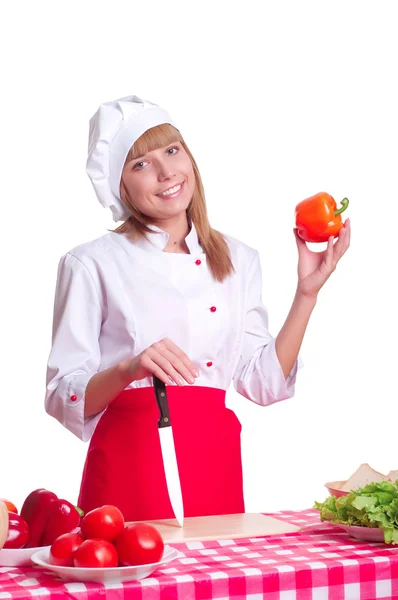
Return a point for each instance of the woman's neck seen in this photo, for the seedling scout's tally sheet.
(177, 231)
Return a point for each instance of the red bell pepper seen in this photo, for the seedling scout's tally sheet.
(3, 523)
(63, 518)
(35, 511)
(317, 217)
(18, 532)
(48, 517)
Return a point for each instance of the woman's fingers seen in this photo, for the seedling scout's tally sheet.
(301, 245)
(172, 347)
(179, 366)
(173, 361)
(165, 360)
(343, 242)
(162, 374)
(329, 253)
(347, 239)
(162, 368)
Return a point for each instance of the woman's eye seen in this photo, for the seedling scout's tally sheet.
(170, 151)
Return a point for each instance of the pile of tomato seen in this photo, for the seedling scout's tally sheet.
(105, 540)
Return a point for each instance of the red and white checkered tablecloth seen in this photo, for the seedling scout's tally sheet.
(318, 563)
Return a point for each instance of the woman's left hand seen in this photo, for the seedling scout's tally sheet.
(315, 268)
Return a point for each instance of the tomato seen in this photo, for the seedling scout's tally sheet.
(18, 532)
(139, 544)
(63, 548)
(96, 554)
(10, 506)
(105, 523)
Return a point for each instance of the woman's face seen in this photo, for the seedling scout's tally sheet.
(147, 178)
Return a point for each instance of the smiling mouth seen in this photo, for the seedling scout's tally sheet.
(171, 191)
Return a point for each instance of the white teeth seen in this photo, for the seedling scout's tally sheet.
(171, 191)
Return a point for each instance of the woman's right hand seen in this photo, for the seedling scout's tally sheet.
(165, 360)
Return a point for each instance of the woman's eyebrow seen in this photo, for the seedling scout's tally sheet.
(138, 157)
(145, 155)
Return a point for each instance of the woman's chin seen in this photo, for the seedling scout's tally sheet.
(172, 208)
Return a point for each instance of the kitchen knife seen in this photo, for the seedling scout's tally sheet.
(168, 451)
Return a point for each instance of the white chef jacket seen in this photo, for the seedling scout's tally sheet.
(115, 297)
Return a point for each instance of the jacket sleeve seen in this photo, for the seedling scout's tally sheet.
(75, 354)
(259, 376)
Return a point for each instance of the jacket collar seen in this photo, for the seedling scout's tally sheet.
(157, 239)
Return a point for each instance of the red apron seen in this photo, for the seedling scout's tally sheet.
(124, 465)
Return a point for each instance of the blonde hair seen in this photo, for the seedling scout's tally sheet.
(213, 243)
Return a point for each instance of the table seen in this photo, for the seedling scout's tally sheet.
(318, 563)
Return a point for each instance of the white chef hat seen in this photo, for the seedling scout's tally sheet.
(113, 130)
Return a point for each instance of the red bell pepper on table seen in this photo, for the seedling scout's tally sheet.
(18, 532)
(63, 517)
(35, 511)
(3, 523)
(318, 218)
(48, 517)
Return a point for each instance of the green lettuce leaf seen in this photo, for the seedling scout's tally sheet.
(374, 505)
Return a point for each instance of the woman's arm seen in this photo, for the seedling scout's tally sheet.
(103, 387)
(75, 352)
(164, 359)
(314, 269)
(258, 375)
(288, 341)
(267, 367)
(77, 390)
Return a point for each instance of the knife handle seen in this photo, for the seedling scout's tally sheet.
(161, 399)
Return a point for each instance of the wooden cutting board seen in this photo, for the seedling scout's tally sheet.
(221, 527)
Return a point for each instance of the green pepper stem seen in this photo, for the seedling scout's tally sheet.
(79, 510)
(344, 204)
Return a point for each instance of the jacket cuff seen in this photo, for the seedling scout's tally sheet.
(279, 387)
(71, 393)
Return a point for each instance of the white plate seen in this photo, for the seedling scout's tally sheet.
(367, 534)
(115, 574)
(18, 557)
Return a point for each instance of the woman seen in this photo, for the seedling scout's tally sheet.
(166, 295)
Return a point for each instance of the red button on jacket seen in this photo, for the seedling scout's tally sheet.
(198, 262)
(209, 364)
(213, 309)
(73, 398)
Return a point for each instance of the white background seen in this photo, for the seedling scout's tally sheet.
(277, 101)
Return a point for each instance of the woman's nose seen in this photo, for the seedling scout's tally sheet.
(165, 172)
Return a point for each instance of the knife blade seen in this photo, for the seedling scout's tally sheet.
(168, 451)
